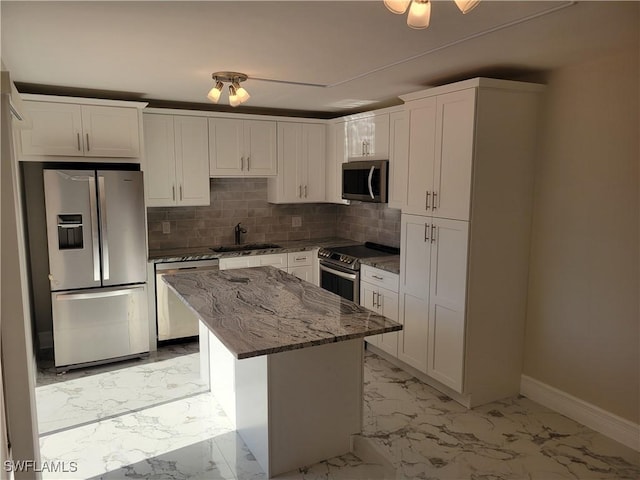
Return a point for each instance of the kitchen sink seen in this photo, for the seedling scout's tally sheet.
(244, 248)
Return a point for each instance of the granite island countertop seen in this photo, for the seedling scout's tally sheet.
(263, 310)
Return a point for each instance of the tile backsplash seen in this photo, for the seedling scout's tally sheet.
(244, 200)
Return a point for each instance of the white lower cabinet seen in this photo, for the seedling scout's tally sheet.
(300, 264)
(433, 259)
(379, 293)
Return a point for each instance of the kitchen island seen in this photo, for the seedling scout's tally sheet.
(285, 359)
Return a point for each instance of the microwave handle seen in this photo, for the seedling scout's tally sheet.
(370, 187)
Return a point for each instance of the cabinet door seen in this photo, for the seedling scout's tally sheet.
(314, 141)
(447, 297)
(368, 137)
(226, 147)
(336, 156)
(388, 305)
(260, 148)
(422, 145)
(110, 131)
(378, 142)
(289, 183)
(367, 300)
(454, 153)
(192, 160)
(304, 273)
(236, 262)
(278, 260)
(398, 158)
(159, 163)
(415, 264)
(56, 130)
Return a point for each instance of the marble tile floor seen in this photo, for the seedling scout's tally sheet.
(415, 432)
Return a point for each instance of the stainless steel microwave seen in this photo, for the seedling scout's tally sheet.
(365, 180)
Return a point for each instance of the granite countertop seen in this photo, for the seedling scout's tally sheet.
(205, 253)
(263, 310)
(388, 263)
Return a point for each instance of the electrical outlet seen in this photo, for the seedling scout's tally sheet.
(166, 227)
(296, 221)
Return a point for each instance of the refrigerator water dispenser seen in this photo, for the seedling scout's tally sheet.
(70, 232)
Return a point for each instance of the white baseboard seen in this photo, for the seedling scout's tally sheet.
(602, 421)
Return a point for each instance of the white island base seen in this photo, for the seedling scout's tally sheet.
(292, 408)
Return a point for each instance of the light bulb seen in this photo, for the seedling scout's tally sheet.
(242, 94)
(419, 14)
(466, 6)
(214, 93)
(397, 6)
(234, 100)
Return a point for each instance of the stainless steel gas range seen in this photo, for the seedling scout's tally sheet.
(340, 267)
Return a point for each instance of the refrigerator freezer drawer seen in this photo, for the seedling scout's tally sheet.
(99, 324)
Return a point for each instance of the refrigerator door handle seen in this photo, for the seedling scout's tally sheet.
(94, 229)
(98, 294)
(103, 228)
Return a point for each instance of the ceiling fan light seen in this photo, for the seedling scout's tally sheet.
(214, 93)
(466, 6)
(419, 14)
(234, 100)
(397, 6)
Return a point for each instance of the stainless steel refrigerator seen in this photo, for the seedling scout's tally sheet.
(96, 235)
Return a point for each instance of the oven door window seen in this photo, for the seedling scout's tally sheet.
(340, 286)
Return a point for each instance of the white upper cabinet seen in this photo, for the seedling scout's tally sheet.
(368, 137)
(239, 148)
(176, 165)
(336, 156)
(398, 158)
(441, 136)
(301, 164)
(78, 130)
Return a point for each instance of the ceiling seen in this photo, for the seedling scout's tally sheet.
(357, 54)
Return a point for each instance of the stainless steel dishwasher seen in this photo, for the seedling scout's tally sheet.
(175, 320)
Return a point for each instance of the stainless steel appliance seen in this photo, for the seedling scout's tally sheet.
(365, 180)
(175, 320)
(96, 235)
(340, 267)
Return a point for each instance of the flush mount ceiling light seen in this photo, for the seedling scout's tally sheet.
(420, 10)
(237, 94)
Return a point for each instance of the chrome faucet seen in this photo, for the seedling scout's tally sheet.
(239, 230)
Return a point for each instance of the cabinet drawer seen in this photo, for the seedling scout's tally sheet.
(278, 260)
(379, 277)
(300, 259)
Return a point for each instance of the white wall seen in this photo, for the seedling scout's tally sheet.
(582, 333)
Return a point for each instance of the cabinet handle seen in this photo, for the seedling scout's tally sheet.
(180, 192)
(300, 259)
(241, 163)
(305, 191)
(434, 200)
(373, 299)
(300, 191)
(366, 147)
(377, 277)
(426, 232)
(248, 163)
(433, 233)
(426, 203)
(88, 146)
(79, 146)
(380, 302)
(363, 148)
(173, 189)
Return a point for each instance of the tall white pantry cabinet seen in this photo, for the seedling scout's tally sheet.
(465, 235)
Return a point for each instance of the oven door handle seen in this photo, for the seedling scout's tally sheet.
(338, 273)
